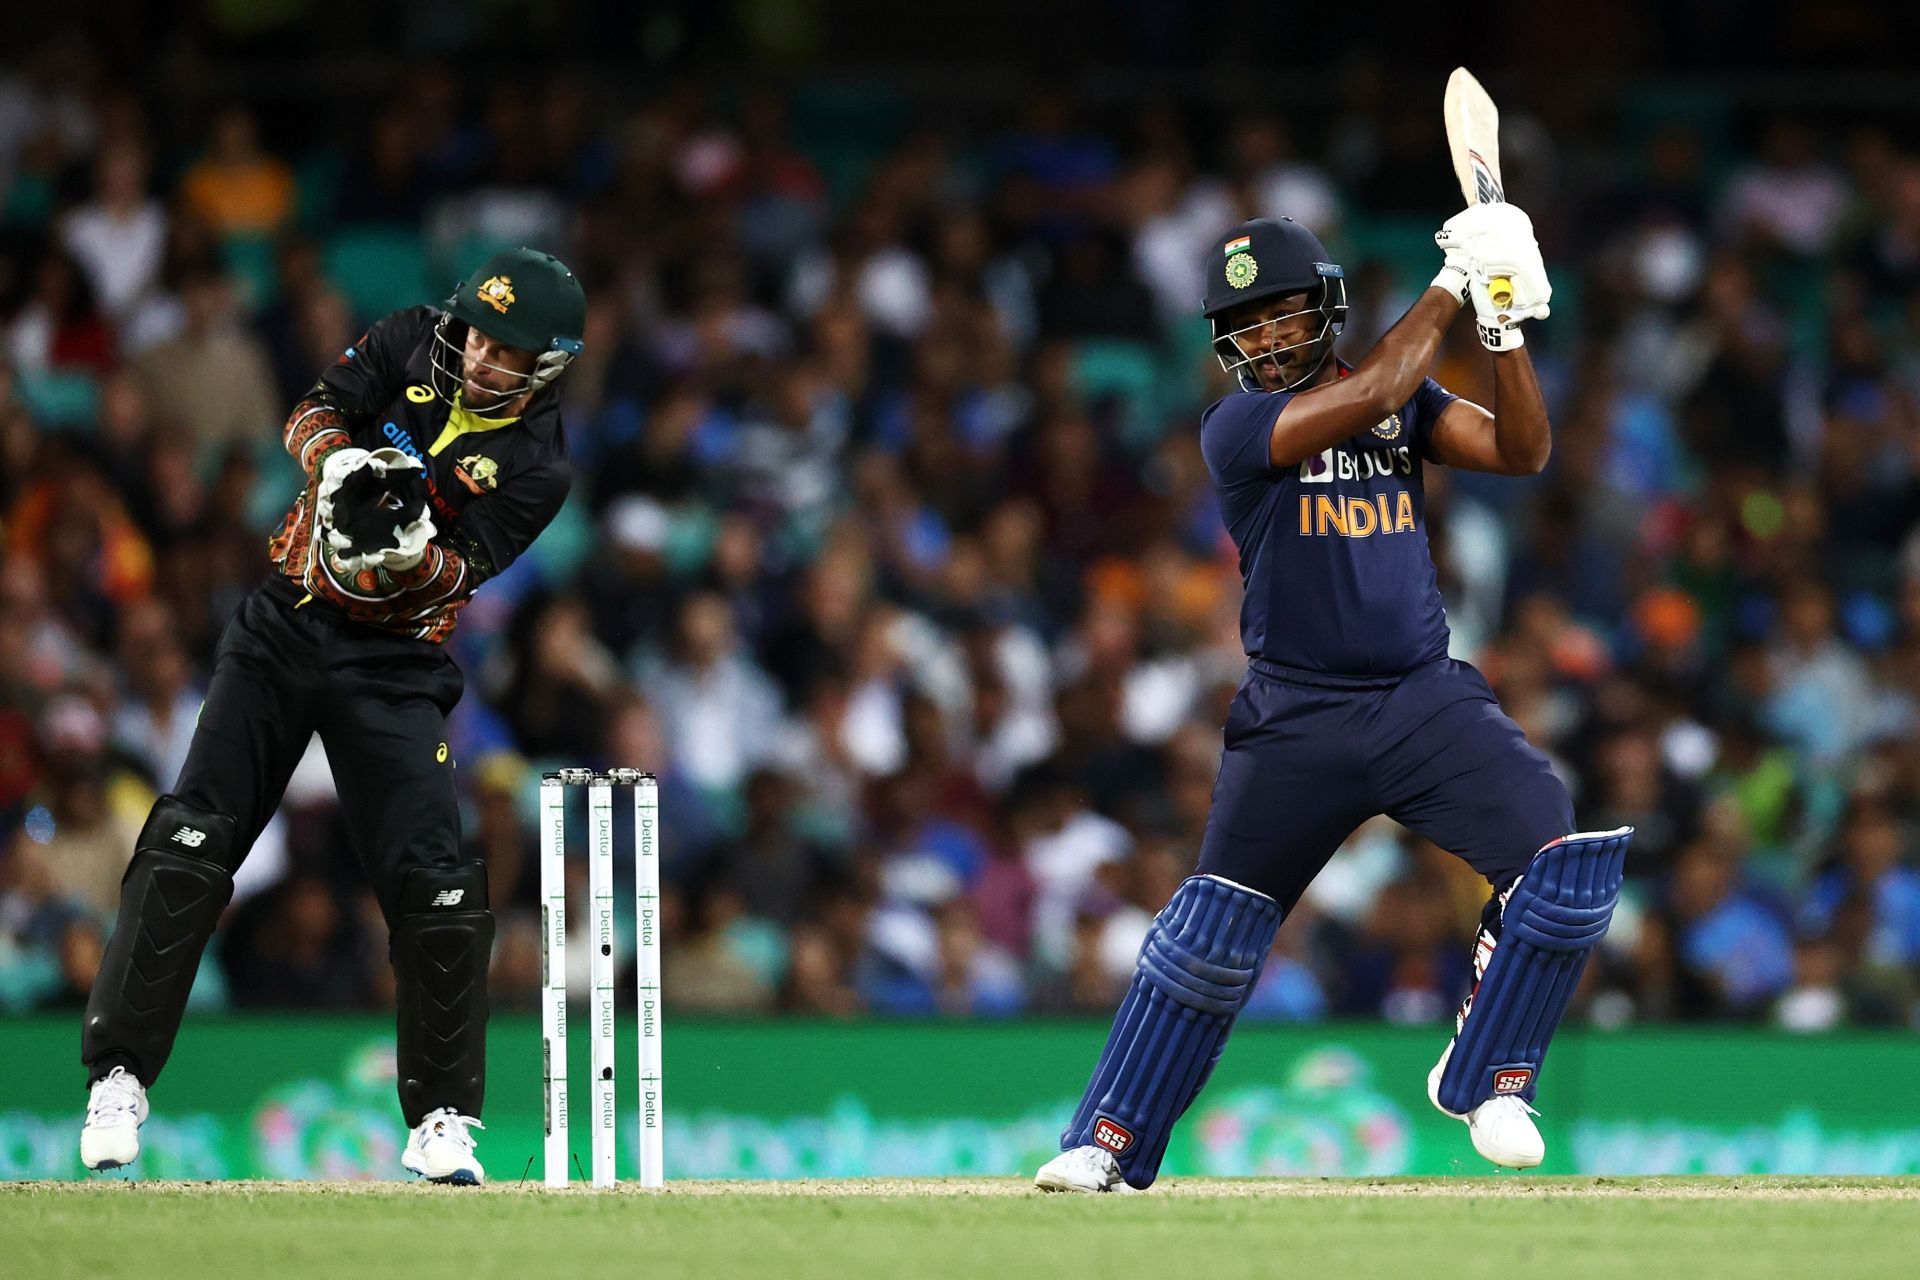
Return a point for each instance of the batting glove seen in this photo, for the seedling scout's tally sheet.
(1457, 275)
(1498, 239)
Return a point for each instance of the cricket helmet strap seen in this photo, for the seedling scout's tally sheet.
(524, 298)
(1271, 258)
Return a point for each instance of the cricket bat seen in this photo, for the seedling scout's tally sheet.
(1473, 135)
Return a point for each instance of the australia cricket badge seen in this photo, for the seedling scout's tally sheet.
(480, 474)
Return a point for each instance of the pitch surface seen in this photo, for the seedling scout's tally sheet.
(1747, 1228)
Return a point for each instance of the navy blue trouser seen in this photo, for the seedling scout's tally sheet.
(1310, 757)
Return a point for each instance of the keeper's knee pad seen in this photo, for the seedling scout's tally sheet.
(441, 944)
(1196, 970)
(171, 897)
(1553, 919)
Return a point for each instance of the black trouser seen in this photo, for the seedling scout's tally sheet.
(379, 702)
(284, 671)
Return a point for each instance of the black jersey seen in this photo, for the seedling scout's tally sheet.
(493, 483)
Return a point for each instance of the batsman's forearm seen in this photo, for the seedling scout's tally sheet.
(1398, 363)
(1521, 433)
(1385, 380)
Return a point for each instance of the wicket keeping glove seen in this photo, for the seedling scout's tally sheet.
(372, 507)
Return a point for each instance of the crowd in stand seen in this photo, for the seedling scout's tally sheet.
(890, 548)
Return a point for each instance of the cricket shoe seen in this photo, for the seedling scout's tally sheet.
(1086, 1169)
(1502, 1127)
(116, 1109)
(441, 1150)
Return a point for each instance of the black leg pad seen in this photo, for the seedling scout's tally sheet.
(442, 942)
(171, 896)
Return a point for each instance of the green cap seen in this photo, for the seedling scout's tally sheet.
(526, 299)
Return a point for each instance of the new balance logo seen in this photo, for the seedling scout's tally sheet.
(448, 897)
(192, 837)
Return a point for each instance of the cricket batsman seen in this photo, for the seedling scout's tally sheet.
(1350, 706)
(434, 457)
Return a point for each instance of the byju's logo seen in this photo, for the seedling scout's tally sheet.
(1367, 464)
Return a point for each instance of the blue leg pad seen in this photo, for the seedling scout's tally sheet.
(1196, 969)
(1555, 917)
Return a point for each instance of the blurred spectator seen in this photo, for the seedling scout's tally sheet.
(1790, 198)
(119, 236)
(720, 712)
(60, 327)
(211, 383)
(1734, 950)
(776, 871)
(297, 944)
(723, 966)
(237, 187)
(78, 844)
(1869, 869)
(154, 723)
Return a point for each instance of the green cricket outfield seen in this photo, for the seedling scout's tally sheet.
(1566, 1228)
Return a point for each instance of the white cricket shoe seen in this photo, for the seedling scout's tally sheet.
(1502, 1128)
(441, 1150)
(116, 1109)
(1503, 1131)
(1086, 1169)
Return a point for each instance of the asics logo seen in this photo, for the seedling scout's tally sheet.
(448, 897)
(192, 837)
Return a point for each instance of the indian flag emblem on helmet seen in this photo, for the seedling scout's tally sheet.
(1239, 246)
(497, 293)
(1242, 270)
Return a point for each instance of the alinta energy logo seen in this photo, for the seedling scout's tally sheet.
(399, 437)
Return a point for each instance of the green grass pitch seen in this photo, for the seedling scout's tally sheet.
(1693, 1228)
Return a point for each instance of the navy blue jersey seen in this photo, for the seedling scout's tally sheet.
(1333, 551)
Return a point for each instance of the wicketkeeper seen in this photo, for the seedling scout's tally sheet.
(434, 456)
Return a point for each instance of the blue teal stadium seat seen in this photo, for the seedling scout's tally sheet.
(60, 397)
(379, 269)
(1114, 368)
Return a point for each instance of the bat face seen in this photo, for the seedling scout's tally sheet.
(1473, 135)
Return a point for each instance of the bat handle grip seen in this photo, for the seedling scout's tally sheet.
(1501, 290)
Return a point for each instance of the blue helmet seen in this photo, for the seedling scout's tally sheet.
(1270, 258)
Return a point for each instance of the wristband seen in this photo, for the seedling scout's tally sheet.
(1454, 281)
(1496, 336)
